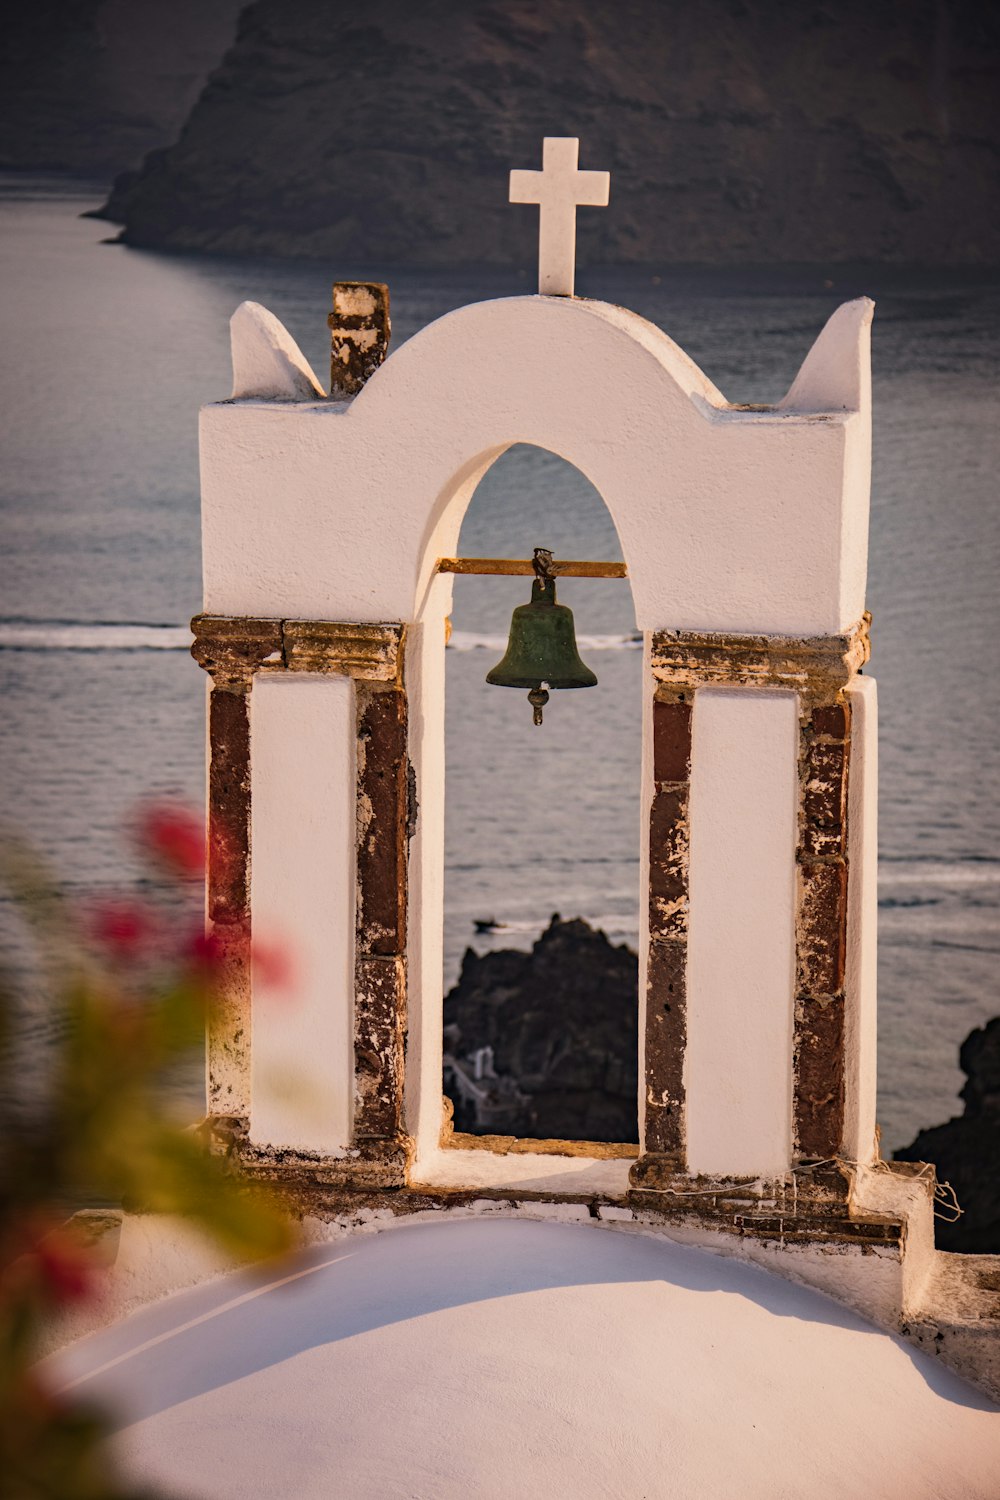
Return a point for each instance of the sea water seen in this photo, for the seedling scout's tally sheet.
(106, 354)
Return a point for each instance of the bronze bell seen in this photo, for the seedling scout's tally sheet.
(542, 644)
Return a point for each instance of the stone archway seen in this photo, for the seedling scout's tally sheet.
(542, 821)
(744, 532)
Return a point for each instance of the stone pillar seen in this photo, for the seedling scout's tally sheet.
(235, 651)
(230, 650)
(380, 963)
(818, 671)
(666, 1023)
(359, 335)
(821, 929)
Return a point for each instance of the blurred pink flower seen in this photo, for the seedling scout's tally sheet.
(273, 968)
(123, 928)
(174, 837)
(204, 953)
(53, 1261)
(65, 1270)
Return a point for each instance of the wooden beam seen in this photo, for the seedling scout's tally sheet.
(523, 567)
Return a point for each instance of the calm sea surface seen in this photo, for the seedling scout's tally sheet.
(106, 354)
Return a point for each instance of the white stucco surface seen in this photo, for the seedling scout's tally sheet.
(302, 737)
(503, 1359)
(267, 362)
(559, 189)
(526, 1171)
(425, 686)
(741, 942)
(729, 518)
(836, 373)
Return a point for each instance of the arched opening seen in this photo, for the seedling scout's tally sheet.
(542, 834)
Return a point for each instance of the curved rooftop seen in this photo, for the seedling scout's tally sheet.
(496, 1357)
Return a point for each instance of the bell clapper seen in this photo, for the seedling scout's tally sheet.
(538, 698)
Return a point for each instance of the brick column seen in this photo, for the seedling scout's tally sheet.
(821, 929)
(359, 335)
(380, 964)
(666, 1027)
(818, 669)
(235, 650)
(231, 650)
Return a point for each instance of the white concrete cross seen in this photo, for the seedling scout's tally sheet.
(559, 189)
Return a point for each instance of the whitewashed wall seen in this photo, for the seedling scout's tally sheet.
(729, 518)
(741, 943)
(302, 747)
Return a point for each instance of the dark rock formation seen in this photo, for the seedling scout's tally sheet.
(562, 1025)
(737, 131)
(89, 86)
(966, 1151)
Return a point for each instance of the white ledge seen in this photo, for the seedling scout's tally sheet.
(524, 1171)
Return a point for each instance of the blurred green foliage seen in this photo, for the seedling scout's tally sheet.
(128, 984)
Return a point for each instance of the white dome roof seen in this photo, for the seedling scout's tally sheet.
(495, 1358)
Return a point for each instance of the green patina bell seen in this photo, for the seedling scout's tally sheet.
(542, 647)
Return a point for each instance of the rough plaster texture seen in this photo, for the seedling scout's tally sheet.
(302, 877)
(741, 943)
(501, 1358)
(729, 518)
(957, 1318)
(883, 1189)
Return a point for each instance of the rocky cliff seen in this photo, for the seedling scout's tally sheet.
(559, 1028)
(90, 86)
(736, 131)
(966, 1150)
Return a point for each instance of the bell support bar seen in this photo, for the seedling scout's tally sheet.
(524, 567)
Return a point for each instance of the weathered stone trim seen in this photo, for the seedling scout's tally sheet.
(781, 1213)
(380, 963)
(379, 1034)
(821, 929)
(380, 1000)
(665, 1039)
(228, 900)
(515, 1145)
(818, 669)
(816, 666)
(370, 1166)
(369, 652)
(359, 334)
(382, 819)
(328, 1191)
(233, 648)
(809, 1196)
